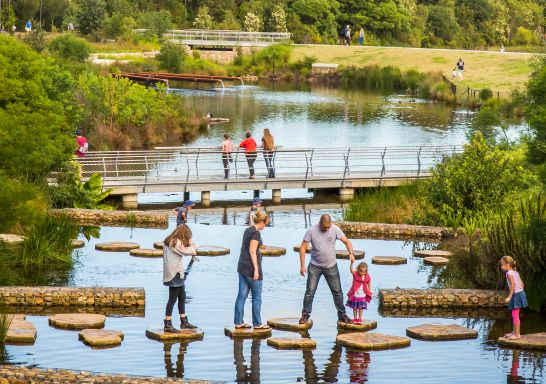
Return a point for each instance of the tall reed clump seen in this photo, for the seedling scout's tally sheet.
(5, 322)
(385, 205)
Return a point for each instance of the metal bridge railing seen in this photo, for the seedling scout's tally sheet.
(217, 36)
(205, 165)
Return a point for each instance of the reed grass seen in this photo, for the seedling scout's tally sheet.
(5, 322)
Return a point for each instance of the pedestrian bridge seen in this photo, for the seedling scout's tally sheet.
(185, 169)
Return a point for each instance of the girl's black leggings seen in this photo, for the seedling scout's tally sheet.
(176, 293)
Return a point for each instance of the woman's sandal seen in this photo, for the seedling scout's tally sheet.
(242, 326)
(507, 335)
(513, 337)
(262, 326)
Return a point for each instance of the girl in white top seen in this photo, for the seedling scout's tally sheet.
(516, 298)
(227, 148)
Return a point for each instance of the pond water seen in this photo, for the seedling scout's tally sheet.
(211, 290)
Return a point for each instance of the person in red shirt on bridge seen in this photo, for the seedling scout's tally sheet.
(249, 144)
(81, 142)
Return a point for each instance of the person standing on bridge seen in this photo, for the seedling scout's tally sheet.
(323, 262)
(268, 144)
(249, 144)
(227, 149)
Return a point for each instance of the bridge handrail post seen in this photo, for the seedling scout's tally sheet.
(311, 161)
(103, 172)
(235, 163)
(158, 157)
(196, 163)
(307, 160)
(188, 167)
(146, 175)
(383, 166)
(117, 170)
(419, 162)
(347, 161)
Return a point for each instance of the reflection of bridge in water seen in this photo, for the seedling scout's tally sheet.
(182, 169)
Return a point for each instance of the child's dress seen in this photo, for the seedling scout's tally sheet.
(519, 299)
(359, 294)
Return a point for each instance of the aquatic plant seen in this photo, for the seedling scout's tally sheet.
(5, 322)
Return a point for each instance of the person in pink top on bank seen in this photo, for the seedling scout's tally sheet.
(516, 299)
(249, 144)
(360, 293)
(81, 142)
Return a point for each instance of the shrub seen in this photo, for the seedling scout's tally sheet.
(70, 47)
(5, 322)
(119, 25)
(157, 23)
(485, 94)
(21, 204)
(36, 39)
(90, 15)
(171, 57)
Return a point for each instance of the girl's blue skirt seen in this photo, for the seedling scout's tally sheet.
(518, 300)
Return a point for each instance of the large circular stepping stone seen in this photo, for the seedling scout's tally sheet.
(247, 332)
(344, 254)
(289, 324)
(366, 325)
(308, 250)
(270, 250)
(146, 252)
(436, 260)
(77, 320)
(389, 260)
(101, 337)
(371, 341)
(11, 239)
(77, 243)
(441, 332)
(20, 331)
(432, 252)
(116, 246)
(530, 341)
(211, 250)
(186, 335)
(292, 343)
(158, 245)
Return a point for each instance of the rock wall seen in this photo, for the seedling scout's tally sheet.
(353, 228)
(11, 374)
(444, 298)
(69, 296)
(91, 217)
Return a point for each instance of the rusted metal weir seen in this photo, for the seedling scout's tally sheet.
(165, 77)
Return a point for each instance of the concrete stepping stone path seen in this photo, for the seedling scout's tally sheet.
(289, 324)
(344, 254)
(535, 341)
(366, 325)
(270, 250)
(146, 252)
(247, 332)
(212, 250)
(292, 342)
(389, 260)
(20, 331)
(77, 321)
(77, 243)
(116, 246)
(432, 253)
(186, 335)
(437, 332)
(371, 341)
(101, 337)
(436, 260)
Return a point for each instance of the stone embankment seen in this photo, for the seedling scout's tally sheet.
(68, 296)
(445, 298)
(11, 374)
(394, 231)
(92, 217)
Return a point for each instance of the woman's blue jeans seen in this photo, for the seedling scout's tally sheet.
(246, 285)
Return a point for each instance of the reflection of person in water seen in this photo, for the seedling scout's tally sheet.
(244, 373)
(513, 376)
(177, 371)
(331, 370)
(358, 366)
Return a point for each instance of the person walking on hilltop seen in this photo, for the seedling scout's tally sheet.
(227, 149)
(361, 36)
(348, 35)
(460, 68)
(28, 26)
(268, 144)
(249, 144)
(322, 237)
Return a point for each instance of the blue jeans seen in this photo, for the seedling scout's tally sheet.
(334, 283)
(246, 284)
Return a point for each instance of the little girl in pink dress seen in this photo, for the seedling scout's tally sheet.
(360, 293)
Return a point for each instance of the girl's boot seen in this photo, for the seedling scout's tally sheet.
(185, 324)
(169, 327)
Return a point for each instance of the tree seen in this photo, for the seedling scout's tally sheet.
(171, 57)
(278, 19)
(319, 14)
(252, 23)
(203, 19)
(91, 15)
(441, 22)
(157, 23)
(70, 47)
(229, 21)
(536, 115)
(53, 12)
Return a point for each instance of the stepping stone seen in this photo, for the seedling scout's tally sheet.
(247, 332)
(530, 341)
(11, 239)
(20, 331)
(270, 250)
(308, 250)
(186, 334)
(344, 254)
(292, 343)
(436, 260)
(77, 320)
(101, 337)
(367, 325)
(116, 246)
(77, 243)
(289, 324)
(211, 250)
(432, 252)
(389, 260)
(17, 317)
(146, 252)
(441, 332)
(158, 245)
(371, 341)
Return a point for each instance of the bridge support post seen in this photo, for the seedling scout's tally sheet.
(129, 200)
(257, 193)
(186, 196)
(346, 194)
(276, 195)
(205, 198)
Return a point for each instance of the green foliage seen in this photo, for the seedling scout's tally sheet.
(21, 204)
(536, 115)
(278, 19)
(5, 322)
(523, 36)
(70, 47)
(157, 23)
(171, 57)
(203, 19)
(119, 25)
(485, 94)
(36, 39)
(252, 23)
(91, 15)
(273, 57)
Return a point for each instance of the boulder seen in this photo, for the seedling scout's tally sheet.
(101, 337)
(435, 332)
(389, 260)
(371, 341)
(116, 246)
(289, 324)
(77, 320)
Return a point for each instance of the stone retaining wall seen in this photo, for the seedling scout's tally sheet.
(352, 228)
(445, 298)
(91, 217)
(108, 311)
(68, 296)
(444, 313)
(11, 374)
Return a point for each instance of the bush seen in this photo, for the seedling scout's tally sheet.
(36, 39)
(171, 57)
(157, 23)
(485, 94)
(21, 204)
(70, 47)
(523, 36)
(90, 15)
(119, 25)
